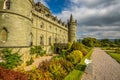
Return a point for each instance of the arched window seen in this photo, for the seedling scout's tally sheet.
(42, 40)
(42, 25)
(4, 35)
(6, 4)
(55, 40)
(49, 40)
(50, 27)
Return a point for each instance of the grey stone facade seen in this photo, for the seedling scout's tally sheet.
(24, 23)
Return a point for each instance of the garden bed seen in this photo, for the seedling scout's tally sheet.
(76, 74)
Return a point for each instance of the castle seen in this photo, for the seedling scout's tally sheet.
(24, 23)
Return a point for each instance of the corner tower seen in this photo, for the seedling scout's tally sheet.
(72, 29)
(15, 23)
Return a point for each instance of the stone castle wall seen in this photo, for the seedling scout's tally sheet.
(16, 22)
(24, 24)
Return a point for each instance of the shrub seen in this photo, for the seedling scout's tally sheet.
(80, 67)
(7, 74)
(76, 46)
(84, 51)
(38, 75)
(69, 45)
(44, 66)
(66, 65)
(117, 51)
(57, 70)
(37, 50)
(11, 60)
(30, 61)
(75, 56)
(79, 46)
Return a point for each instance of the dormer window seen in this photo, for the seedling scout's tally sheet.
(6, 4)
(4, 35)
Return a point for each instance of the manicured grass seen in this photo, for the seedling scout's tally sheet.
(116, 56)
(76, 74)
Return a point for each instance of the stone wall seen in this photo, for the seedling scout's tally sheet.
(17, 22)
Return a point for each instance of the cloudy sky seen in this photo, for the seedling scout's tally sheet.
(96, 18)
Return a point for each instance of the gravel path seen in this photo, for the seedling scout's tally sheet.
(37, 61)
(103, 67)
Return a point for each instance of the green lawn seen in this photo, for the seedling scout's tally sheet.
(116, 56)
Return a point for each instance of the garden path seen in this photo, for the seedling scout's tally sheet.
(37, 61)
(103, 67)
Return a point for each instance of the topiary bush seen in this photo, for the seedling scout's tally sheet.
(75, 56)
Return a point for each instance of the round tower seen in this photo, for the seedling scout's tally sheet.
(15, 23)
(72, 29)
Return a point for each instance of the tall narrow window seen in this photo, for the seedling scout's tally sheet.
(42, 25)
(50, 27)
(6, 4)
(31, 39)
(49, 40)
(55, 40)
(4, 35)
(41, 40)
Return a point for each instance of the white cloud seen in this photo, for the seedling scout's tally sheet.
(96, 18)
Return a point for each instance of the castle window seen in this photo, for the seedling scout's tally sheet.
(49, 40)
(56, 30)
(60, 31)
(4, 35)
(42, 25)
(6, 4)
(55, 40)
(41, 40)
(50, 27)
(31, 39)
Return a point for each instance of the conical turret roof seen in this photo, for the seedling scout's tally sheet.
(71, 18)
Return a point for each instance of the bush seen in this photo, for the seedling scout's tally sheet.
(11, 60)
(117, 51)
(38, 75)
(37, 50)
(80, 67)
(30, 61)
(7, 74)
(66, 65)
(44, 66)
(84, 51)
(79, 46)
(57, 70)
(76, 46)
(75, 56)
